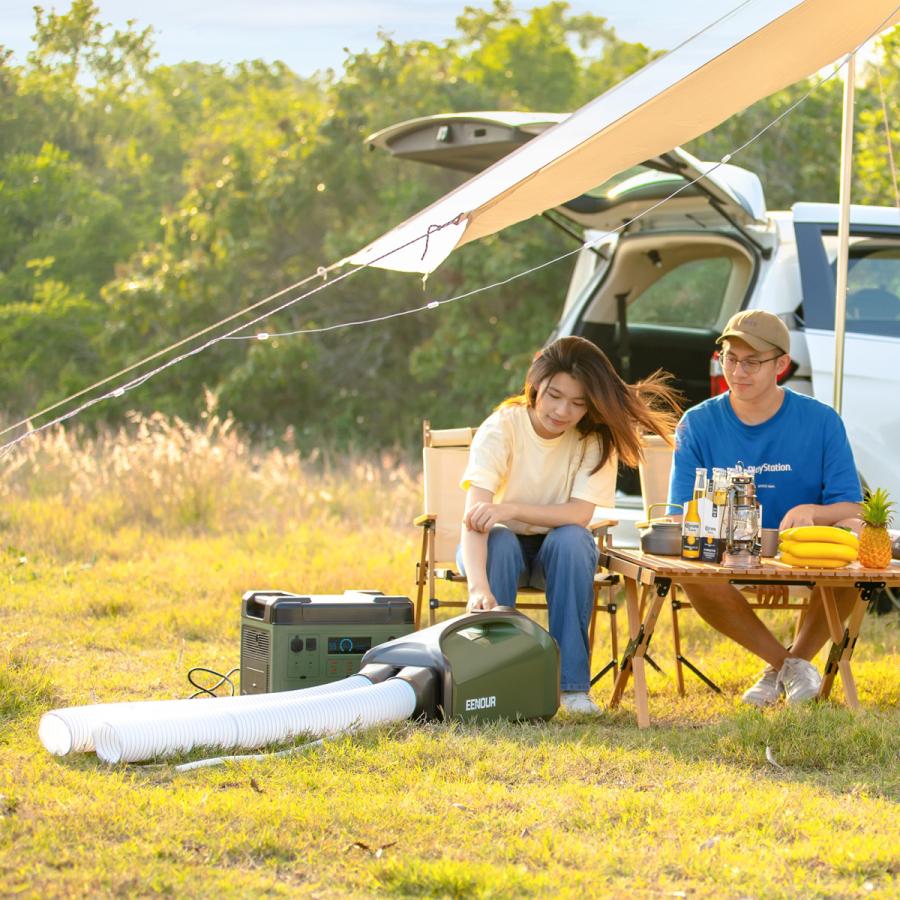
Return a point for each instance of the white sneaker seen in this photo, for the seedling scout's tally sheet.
(800, 680)
(766, 691)
(578, 702)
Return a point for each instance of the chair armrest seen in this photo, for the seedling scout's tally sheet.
(426, 519)
(596, 525)
(599, 528)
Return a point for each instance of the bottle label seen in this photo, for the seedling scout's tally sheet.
(711, 549)
(690, 542)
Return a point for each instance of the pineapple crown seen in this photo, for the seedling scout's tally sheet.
(877, 509)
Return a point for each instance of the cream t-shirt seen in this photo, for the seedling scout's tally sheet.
(512, 461)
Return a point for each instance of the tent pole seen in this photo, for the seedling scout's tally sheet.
(840, 299)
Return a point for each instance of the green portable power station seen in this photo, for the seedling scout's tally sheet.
(291, 641)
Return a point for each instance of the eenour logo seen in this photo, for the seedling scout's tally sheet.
(474, 703)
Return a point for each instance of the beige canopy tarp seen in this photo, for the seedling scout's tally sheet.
(748, 53)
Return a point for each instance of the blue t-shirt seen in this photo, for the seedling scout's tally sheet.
(800, 455)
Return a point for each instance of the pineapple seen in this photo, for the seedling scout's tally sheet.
(875, 542)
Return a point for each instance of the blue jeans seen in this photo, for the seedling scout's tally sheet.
(562, 563)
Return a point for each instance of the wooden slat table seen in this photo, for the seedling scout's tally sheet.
(647, 579)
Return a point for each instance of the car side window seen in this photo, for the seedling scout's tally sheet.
(873, 278)
(873, 291)
(690, 295)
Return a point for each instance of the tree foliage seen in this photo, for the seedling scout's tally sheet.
(143, 202)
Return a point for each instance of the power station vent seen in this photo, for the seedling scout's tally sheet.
(255, 644)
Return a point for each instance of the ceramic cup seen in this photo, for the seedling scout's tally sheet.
(769, 541)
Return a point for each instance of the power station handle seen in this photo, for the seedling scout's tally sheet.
(255, 610)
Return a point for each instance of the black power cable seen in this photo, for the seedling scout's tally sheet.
(211, 691)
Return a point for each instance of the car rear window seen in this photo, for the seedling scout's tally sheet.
(690, 295)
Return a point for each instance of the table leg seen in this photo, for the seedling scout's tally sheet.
(649, 626)
(632, 608)
(854, 623)
(831, 614)
(843, 641)
(637, 671)
(641, 632)
(676, 643)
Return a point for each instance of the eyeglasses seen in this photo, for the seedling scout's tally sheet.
(750, 365)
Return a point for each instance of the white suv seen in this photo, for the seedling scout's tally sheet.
(658, 291)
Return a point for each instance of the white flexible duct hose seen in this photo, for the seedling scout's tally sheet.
(69, 730)
(142, 736)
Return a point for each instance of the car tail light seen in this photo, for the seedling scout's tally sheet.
(717, 383)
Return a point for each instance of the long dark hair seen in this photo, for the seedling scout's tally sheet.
(618, 413)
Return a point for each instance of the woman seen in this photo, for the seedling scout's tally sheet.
(537, 468)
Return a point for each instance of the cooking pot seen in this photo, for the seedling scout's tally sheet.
(658, 537)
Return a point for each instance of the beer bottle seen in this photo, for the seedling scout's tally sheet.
(699, 483)
(690, 527)
(690, 531)
(720, 487)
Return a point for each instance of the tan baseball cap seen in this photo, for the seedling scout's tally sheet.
(760, 329)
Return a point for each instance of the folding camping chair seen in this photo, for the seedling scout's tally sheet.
(654, 473)
(445, 453)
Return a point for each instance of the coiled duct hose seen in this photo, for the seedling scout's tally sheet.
(144, 735)
(64, 731)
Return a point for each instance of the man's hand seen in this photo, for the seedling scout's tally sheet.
(483, 516)
(481, 599)
(799, 515)
(844, 513)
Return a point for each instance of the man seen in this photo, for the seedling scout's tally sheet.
(805, 475)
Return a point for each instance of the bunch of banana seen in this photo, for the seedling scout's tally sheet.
(818, 546)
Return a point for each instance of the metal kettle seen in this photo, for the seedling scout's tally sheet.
(659, 537)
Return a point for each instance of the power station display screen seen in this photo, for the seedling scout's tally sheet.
(349, 645)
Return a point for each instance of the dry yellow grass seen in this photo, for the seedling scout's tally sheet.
(166, 476)
(123, 558)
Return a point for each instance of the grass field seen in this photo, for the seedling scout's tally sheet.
(123, 560)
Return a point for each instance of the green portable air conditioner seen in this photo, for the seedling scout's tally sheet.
(476, 667)
(291, 641)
